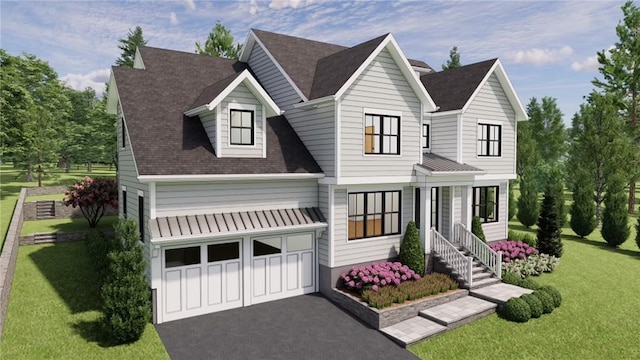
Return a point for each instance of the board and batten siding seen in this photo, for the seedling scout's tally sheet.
(498, 230)
(444, 136)
(175, 199)
(381, 86)
(492, 105)
(242, 96)
(457, 204)
(323, 241)
(276, 85)
(209, 123)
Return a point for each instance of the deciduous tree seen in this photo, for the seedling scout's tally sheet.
(547, 128)
(93, 196)
(219, 43)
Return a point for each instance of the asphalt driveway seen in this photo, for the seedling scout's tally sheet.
(301, 327)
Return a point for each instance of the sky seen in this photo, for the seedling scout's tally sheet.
(547, 48)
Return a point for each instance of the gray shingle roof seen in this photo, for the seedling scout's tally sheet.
(233, 222)
(165, 142)
(437, 163)
(210, 92)
(451, 89)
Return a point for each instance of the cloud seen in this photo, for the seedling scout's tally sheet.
(95, 80)
(537, 56)
(173, 18)
(294, 4)
(253, 7)
(189, 4)
(589, 64)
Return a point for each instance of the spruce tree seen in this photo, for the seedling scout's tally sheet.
(411, 250)
(549, 230)
(476, 229)
(513, 206)
(129, 45)
(557, 187)
(615, 229)
(583, 209)
(528, 207)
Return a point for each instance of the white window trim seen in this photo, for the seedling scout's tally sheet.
(428, 148)
(141, 193)
(374, 111)
(124, 188)
(238, 106)
(489, 122)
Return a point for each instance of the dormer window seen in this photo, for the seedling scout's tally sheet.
(242, 127)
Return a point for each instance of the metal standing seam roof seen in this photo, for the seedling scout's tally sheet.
(437, 163)
(233, 222)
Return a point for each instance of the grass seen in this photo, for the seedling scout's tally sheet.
(54, 310)
(64, 225)
(597, 319)
(11, 181)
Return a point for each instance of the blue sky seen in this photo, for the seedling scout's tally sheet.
(547, 48)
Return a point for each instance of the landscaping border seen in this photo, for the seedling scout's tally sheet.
(9, 256)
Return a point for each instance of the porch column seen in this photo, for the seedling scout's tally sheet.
(425, 213)
(467, 198)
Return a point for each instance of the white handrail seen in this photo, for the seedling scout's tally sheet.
(491, 259)
(461, 264)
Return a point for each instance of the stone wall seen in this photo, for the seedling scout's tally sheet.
(61, 211)
(43, 238)
(46, 190)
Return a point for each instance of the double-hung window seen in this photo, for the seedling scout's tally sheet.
(485, 203)
(381, 134)
(242, 127)
(489, 140)
(374, 214)
(426, 129)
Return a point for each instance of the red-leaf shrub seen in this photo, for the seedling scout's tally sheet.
(92, 196)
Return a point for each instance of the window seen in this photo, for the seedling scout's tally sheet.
(182, 256)
(435, 212)
(489, 140)
(485, 203)
(382, 134)
(374, 214)
(425, 136)
(222, 252)
(124, 203)
(124, 133)
(141, 216)
(416, 212)
(267, 246)
(242, 125)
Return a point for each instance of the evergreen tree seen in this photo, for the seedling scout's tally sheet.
(476, 228)
(549, 230)
(411, 250)
(513, 206)
(528, 207)
(129, 46)
(527, 157)
(547, 128)
(454, 59)
(615, 229)
(219, 43)
(583, 209)
(556, 185)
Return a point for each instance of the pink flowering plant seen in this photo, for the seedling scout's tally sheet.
(376, 276)
(92, 196)
(512, 250)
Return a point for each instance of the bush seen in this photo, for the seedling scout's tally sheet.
(516, 309)
(476, 229)
(513, 206)
(546, 300)
(411, 250)
(510, 278)
(534, 304)
(92, 196)
(528, 207)
(125, 293)
(555, 294)
(534, 265)
(615, 229)
(529, 284)
(549, 229)
(524, 237)
(583, 210)
(512, 250)
(410, 290)
(377, 276)
(98, 248)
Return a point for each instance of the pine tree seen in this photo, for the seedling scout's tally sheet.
(454, 59)
(513, 206)
(557, 187)
(583, 209)
(549, 230)
(528, 207)
(219, 43)
(129, 46)
(411, 250)
(615, 229)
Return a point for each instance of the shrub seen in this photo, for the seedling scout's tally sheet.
(516, 309)
(556, 187)
(528, 207)
(476, 229)
(529, 284)
(513, 206)
(615, 229)
(583, 210)
(125, 293)
(92, 196)
(381, 297)
(98, 248)
(411, 250)
(524, 237)
(512, 250)
(546, 300)
(549, 229)
(534, 304)
(509, 277)
(376, 276)
(533, 265)
(555, 294)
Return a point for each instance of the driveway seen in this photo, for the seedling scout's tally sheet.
(301, 327)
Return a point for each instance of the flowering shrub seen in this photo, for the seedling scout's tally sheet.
(377, 276)
(92, 196)
(512, 250)
(410, 290)
(533, 265)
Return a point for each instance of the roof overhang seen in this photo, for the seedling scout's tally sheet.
(421, 169)
(315, 102)
(112, 96)
(252, 84)
(228, 177)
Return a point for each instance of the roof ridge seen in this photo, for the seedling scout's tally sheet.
(298, 37)
(185, 52)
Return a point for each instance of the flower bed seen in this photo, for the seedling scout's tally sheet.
(512, 250)
(377, 276)
(533, 265)
(409, 290)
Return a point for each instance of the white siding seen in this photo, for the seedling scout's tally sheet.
(241, 95)
(209, 123)
(323, 242)
(381, 86)
(498, 230)
(444, 135)
(174, 199)
(446, 211)
(272, 79)
(491, 104)
(457, 204)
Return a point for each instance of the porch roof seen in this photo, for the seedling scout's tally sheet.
(439, 164)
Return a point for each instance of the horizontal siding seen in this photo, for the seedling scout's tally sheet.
(174, 199)
(241, 95)
(491, 104)
(209, 123)
(316, 129)
(498, 230)
(444, 135)
(323, 241)
(381, 86)
(272, 79)
(446, 211)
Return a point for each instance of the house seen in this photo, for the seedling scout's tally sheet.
(267, 177)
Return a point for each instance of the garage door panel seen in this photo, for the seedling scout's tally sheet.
(259, 277)
(307, 269)
(214, 288)
(292, 271)
(233, 280)
(275, 275)
(194, 288)
(173, 292)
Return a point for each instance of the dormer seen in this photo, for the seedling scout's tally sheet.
(233, 112)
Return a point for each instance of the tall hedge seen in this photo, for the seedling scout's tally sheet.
(583, 209)
(125, 294)
(549, 230)
(411, 250)
(557, 187)
(615, 220)
(528, 208)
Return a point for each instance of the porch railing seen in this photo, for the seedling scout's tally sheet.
(489, 258)
(461, 264)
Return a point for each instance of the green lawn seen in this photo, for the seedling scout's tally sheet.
(64, 225)
(11, 181)
(598, 318)
(54, 310)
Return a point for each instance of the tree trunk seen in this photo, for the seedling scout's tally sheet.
(67, 166)
(39, 175)
(89, 167)
(599, 199)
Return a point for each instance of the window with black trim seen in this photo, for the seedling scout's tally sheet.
(416, 212)
(124, 203)
(141, 217)
(485, 203)
(381, 134)
(374, 214)
(124, 133)
(489, 140)
(426, 129)
(241, 130)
